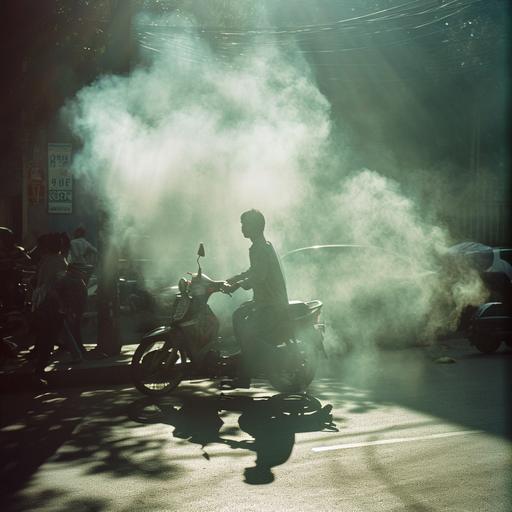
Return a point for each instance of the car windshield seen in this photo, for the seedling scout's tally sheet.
(346, 261)
(345, 257)
(346, 272)
(478, 256)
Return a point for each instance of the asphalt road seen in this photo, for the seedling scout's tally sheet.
(406, 433)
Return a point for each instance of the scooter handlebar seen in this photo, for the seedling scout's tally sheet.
(227, 288)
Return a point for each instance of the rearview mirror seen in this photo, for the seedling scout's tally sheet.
(200, 251)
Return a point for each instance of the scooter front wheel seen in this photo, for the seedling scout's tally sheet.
(156, 367)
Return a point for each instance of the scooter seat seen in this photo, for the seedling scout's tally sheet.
(297, 308)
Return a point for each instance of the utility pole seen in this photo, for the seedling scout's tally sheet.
(109, 340)
(117, 59)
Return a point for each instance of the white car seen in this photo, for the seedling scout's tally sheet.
(370, 294)
(486, 258)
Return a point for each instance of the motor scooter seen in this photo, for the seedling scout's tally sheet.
(15, 307)
(188, 347)
(491, 323)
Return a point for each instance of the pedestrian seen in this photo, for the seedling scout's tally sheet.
(81, 251)
(47, 319)
(52, 265)
(72, 293)
(65, 244)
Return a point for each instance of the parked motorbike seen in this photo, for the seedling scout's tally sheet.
(189, 348)
(15, 306)
(491, 325)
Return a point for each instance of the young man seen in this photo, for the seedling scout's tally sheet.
(265, 318)
(80, 249)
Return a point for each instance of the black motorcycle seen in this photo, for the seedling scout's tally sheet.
(490, 324)
(189, 348)
(15, 307)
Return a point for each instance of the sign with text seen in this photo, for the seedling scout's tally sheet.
(60, 180)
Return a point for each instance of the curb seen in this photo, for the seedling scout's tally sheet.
(111, 371)
(72, 377)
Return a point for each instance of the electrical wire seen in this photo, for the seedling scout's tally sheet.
(393, 28)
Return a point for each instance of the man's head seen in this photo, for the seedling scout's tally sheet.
(253, 223)
(79, 232)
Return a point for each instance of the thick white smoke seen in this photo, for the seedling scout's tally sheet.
(397, 285)
(181, 146)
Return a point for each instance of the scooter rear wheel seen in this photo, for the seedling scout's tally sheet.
(293, 370)
(156, 368)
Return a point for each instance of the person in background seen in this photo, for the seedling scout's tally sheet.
(65, 244)
(47, 318)
(40, 249)
(52, 265)
(81, 251)
(72, 292)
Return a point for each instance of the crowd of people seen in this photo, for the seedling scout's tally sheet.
(58, 291)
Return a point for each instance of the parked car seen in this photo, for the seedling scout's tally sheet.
(490, 324)
(493, 263)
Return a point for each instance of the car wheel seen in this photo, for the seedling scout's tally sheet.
(486, 344)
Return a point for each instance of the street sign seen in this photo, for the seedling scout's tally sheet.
(60, 180)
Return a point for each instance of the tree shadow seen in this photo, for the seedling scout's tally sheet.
(394, 485)
(73, 428)
(31, 435)
(271, 421)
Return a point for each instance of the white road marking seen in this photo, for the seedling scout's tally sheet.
(395, 440)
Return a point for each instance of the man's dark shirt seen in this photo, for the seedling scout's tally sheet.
(265, 275)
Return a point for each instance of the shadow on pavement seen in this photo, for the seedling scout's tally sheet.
(272, 422)
(80, 432)
(473, 392)
(33, 434)
(87, 430)
(102, 431)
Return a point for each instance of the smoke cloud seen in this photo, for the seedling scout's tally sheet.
(187, 141)
(180, 148)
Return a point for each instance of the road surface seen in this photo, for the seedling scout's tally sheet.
(406, 433)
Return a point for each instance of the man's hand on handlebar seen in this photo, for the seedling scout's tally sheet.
(229, 288)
